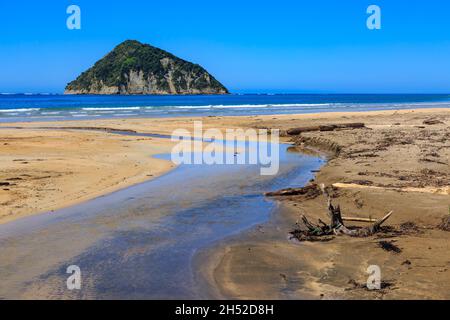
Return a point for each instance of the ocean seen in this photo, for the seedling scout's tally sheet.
(50, 107)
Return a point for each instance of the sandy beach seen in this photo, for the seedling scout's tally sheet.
(45, 170)
(396, 163)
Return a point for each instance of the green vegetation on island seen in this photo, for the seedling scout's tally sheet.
(136, 68)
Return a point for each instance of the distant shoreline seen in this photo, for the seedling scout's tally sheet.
(38, 108)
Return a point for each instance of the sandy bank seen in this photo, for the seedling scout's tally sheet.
(44, 170)
(397, 163)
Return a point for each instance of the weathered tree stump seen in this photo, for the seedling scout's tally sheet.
(337, 226)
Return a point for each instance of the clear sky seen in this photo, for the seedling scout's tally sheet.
(320, 46)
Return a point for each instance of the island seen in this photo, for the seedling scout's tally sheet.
(134, 68)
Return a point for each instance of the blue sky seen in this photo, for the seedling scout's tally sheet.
(320, 46)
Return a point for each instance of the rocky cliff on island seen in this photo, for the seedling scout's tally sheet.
(136, 68)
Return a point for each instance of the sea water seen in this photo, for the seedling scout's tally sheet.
(47, 107)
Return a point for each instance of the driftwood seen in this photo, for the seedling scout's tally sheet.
(311, 191)
(331, 127)
(337, 226)
(431, 122)
(355, 219)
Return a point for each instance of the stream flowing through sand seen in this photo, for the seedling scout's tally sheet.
(139, 242)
